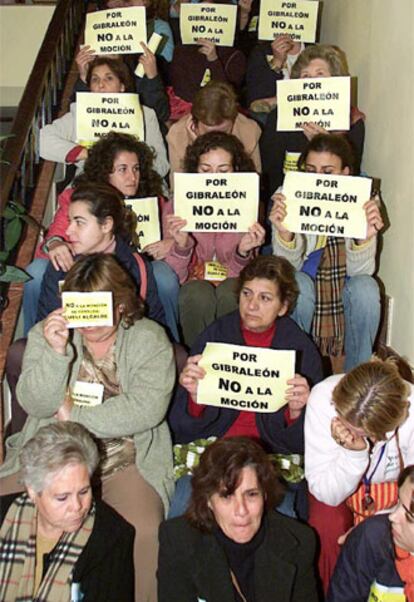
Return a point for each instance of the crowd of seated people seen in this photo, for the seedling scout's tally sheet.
(149, 493)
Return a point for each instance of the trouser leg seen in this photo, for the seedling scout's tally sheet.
(305, 305)
(31, 292)
(197, 307)
(168, 290)
(226, 297)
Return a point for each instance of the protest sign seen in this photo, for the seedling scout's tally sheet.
(118, 31)
(214, 22)
(87, 394)
(83, 310)
(245, 378)
(326, 204)
(220, 202)
(322, 100)
(297, 19)
(148, 222)
(152, 45)
(98, 114)
(291, 161)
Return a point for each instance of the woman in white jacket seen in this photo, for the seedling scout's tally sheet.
(58, 139)
(339, 301)
(359, 435)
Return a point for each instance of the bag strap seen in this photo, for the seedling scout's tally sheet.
(143, 275)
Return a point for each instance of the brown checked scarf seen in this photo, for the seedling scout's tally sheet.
(18, 556)
(328, 327)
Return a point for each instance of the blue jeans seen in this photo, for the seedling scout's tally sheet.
(31, 292)
(182, 494)
(168, 289)
(361, 301)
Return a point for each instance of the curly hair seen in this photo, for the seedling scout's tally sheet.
(276, 269)
(212, 141)
(219, 471)
(332, 55)
(102, 155)
(118, 68)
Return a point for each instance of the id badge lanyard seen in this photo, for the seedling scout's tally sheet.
(368, 501)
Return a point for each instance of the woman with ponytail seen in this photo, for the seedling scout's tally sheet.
(99, 222)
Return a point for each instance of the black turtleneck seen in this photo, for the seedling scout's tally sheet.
(240, 557)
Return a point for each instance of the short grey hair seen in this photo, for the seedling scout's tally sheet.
(52, 448)
(332, 55)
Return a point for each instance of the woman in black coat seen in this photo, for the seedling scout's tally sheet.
(230, 545)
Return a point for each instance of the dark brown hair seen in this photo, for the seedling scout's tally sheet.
(219, 471)
(118, 68)
(211, 141)
(329, 143)
(105, 201)
(276, 269)
(407, 474)
(103, 272)
(214, 103)
(102, 155)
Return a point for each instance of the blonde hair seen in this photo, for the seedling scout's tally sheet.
(332, 55)
(373, 396)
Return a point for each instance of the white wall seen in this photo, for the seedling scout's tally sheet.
(378, 39)
(22, 30)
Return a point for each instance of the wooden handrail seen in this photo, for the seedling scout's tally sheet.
(25, 178)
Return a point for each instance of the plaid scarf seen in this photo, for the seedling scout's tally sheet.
(18, 556)
(328, 325)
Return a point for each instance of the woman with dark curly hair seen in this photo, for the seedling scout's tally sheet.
(231, 545)
(200, 301)
(127, 164)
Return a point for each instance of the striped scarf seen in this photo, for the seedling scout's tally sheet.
(18, 556)
(328, 327)
(404, 562)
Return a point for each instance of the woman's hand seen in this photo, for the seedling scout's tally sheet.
(278, 215)
(208, 49)
(63, 413)
(191, 374)
(83, 58)
(149, 62)
(245, 6)
(297, 395)
(174, 225)
(61, 255)
(280, 49)
(160, 249)
(251, 240)
(374, 220)
(312, 129)
(345, 437)
(56, 331)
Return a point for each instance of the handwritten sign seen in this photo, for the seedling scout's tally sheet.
(119, 31)
(245, 378)
(83, 310)
(322, 100)
(214, 22)
(153, 44)
(298, 19)
(87, 394)
(217, 202)
(326, 204)
(98, 114)
(148, 222)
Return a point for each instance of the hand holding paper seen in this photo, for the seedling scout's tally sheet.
(83, 58)
(175, 224)
(278, 215)
(56, 332)
(191, 374)
(252, 239)
(375, 222)
(297, 395)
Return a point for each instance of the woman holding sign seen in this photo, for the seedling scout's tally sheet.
(205, 296)
(116, 380)
(280, 150)
(267, 293)
(58, 140)
(339, 300)
(231, 545)
(359, 435)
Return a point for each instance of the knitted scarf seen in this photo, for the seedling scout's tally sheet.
(18, 556)
(404, 562)
(328, 325)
